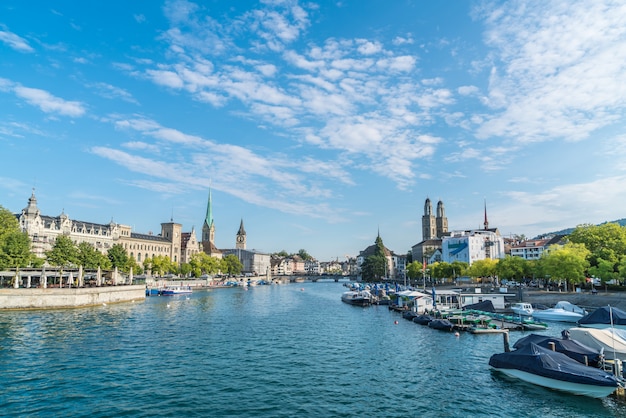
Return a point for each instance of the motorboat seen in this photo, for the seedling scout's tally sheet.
(423, 319)
(562, 312)
(357, 297)
(544, 367)
(441, 324)
(574, 349)
(523, 309)
(604, 317)
(409, 315)
(176, 290)
(611, 341)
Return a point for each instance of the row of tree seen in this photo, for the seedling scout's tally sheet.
(589, 251)
(15, 253)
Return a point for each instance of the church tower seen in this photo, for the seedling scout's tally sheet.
(442, 220)
(429, 226)
(208, 227)
(486, 222)
(241, 237)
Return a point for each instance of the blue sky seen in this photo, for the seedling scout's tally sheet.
(317, 123)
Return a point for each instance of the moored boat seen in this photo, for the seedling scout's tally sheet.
(556, 315)
(544, 367)
(522, 309)
(441, 324)
(611, 341)
(357, 297)
(176, 290)
(572, 348)
(604, 317)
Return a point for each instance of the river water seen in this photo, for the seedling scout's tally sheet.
(270, 351)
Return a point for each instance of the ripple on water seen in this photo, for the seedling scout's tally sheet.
(274, 351)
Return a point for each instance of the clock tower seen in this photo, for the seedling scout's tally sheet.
(241, 238)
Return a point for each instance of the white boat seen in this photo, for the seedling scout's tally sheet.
(523, 309)
(357, 297)
(611, 341)
(544, 367)
(176, 290)
(562, 312)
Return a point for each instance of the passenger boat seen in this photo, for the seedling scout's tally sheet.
(357, 297)
(175, 290)
(544, 367)
(522, 309)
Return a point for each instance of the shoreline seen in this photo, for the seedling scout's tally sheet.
(585, 300)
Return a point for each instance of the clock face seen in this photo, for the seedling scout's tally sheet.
(240, 238)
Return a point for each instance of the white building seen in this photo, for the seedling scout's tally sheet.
(533, 249)
(469, 246)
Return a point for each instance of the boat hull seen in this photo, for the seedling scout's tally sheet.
(557, 315)
(571, 387)
(357, 298)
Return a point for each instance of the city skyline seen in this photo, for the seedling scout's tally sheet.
(317, 123)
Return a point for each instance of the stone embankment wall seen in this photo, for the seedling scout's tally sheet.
(585, 300)
(39, 298)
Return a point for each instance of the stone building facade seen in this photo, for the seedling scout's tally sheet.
(43, 231)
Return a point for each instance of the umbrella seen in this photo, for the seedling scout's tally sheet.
(130, 275)
(80, 276)
(434, 299)
(99, 277)
(70, 279)
(44, 279)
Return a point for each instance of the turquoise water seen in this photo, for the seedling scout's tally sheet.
(271, 351)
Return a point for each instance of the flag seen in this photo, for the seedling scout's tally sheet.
(434, 300)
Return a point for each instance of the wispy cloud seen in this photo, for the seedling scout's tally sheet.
(558, 69)
(15, 41)
(272, 181)
(353, 96)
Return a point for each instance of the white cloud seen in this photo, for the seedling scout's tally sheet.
(49, 103)
(14, 41)
(559, 69)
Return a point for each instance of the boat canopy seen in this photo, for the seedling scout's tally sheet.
(485, 306)
(571, 348)
(603, 316)
(534, 359)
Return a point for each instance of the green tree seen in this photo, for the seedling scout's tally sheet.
(15, 250)
(513, 268)
(373, 268)
(90, 258)
(14, 244)
(160, 265)
(304, 255)
(64, 253)
(414, 270)
(202, 263)
(605, 271)
(604, 242)
(231, 265)
(483, 268)
(118, 257)
(568, 263)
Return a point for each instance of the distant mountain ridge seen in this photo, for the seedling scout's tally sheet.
(621, 222)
